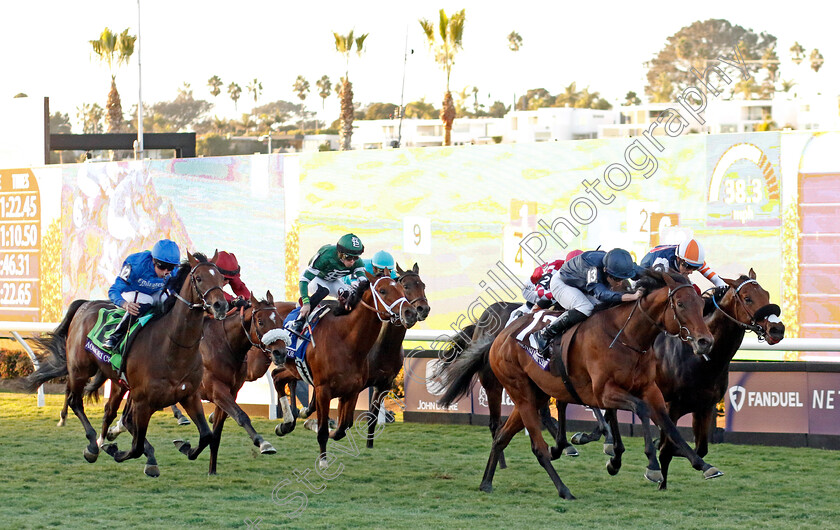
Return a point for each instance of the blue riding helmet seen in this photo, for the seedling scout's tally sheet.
(167, 251)
(619, 264)
(383, 260)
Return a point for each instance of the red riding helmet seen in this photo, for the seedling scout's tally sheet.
(228, 265)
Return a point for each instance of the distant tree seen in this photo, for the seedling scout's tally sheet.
(114, 49)
(694, 45)
(60, 123)
(534, 99)
(498, 110)
(816, 60)
(234, 91)
(301, 88)
(91, 118)
(450, 31)
(379, 111)
(324, 88)
(181, 114)
(422, 110)
(514, 41)
(632, 99)
(20, 95)
(797, 53)
(255, 89)
(568, 97)
(215, 84)
(344, 45)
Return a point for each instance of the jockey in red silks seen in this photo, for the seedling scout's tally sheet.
(229, 267)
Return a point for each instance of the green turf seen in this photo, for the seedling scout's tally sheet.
(418, 476)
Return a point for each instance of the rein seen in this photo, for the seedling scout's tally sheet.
(638, 305)
(203, 306)
(752, 326)
(392, 317)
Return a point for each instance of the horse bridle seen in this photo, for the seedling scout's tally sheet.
(410, 274)
(638, 305)
(761, 314)
(392, 317)
(259, 344)
(204, 306)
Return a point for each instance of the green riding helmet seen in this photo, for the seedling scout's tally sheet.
(351, 245)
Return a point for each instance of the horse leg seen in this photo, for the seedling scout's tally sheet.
(667, 449)
(601, 428)
(501, 439)
(614, 463)
(558, 430)
(702, 426)
(224, 400)
(62, 417)
(136, 419)
(182, 420)
(112, 407)
(375, 407)
(74, 401)
(151, 468)
(494, 403)
(192, 405)
(219, 416)
(288, 424)
(322, 400)
(345, 417)
(653, 472)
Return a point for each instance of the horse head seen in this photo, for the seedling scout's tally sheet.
(386, 294)
(682, 313)
(749, 304)
(415, 290)
(205, 286)
(264, 321)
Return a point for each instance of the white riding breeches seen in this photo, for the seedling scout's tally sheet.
(571, 297)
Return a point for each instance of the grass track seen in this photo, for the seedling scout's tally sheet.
(418, 476)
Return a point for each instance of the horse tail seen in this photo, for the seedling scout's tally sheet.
(456, 377)
(91, 392)
(52, 360)
(457, 345)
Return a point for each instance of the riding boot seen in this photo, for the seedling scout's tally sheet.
(545, 336)
(320, 293)
(119, 332)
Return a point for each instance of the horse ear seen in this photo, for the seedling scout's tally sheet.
(215, 256)
(668, 280)
(415, 268)
(269, 298)
(254, 300)
(399, 270)
(371, 278)
(191, 259)
(730, 283)
(386, 272)
(752, 274)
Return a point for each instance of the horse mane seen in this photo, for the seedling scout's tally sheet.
(353, 301)
(651, 279)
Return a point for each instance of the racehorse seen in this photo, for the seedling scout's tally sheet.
(386, 357)
(692, 384)
(163, 366)
(337, 355)
(605, 366)
(476, 340)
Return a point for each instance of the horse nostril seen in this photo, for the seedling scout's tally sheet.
(703, 343)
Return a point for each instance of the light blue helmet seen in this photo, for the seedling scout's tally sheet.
(383, 260)
(167, 251)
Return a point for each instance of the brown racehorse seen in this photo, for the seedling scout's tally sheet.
(337, 356)
(694, 385)
(163, 366)
(606, 367)
(223, 349)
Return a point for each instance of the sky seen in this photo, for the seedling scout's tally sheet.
(602, 45)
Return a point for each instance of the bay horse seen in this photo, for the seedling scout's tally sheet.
(457, 367)
(338, 354)
(606, 367)
(694, 385)
(163, 366)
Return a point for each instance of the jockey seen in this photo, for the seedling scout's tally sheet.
(324, 273)
(684, 258)
(588, 276)
(376, 266)
(538, 291)
(229, 267)
(140, 284)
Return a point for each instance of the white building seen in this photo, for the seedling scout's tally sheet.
(556, 123)
(378, 134)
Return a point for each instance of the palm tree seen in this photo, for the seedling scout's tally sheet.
(255, 88)
(451, 32)
(631, 98)
(324, 89)
(114, 49)
(569, 96)
(816, 60)
(234, 91)
(514, 41)
(215, 84)
(344, 45)
(301, 88)
(797, 53)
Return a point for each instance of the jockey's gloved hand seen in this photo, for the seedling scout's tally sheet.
(240, 301)
(720, 291)
(304, 311)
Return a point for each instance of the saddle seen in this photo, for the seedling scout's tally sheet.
(296, 349)
(107, 319)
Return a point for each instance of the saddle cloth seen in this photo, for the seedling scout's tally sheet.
(106, 321)
(296, 350)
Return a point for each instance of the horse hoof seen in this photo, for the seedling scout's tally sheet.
(211, 417)
(663, 486)
(89, 456)
(577, 438)
(570, 450)
(323, 463)
(61, 422)
(182, 446)
(184, 421)
(568, 496)
(283, 429)
(311, 424)
(151, 471)
(611, 469)
(486, 488)
(110, 449)
(556, 453)
(267, 449)
(609, 449)
(304, 412)
(654, 475)
(712, 472)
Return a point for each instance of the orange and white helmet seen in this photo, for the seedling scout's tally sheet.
(692, 253)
